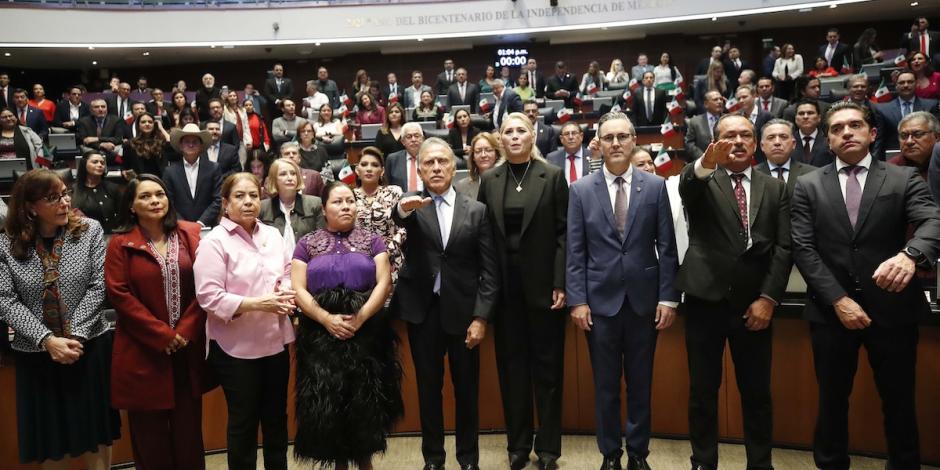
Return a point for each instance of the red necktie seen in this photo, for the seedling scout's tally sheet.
(767, 105)
(412, 175)
(741, 196)
(572, 171)
(23, 117)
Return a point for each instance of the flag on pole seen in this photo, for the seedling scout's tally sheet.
(900, 61)
(846, 68)
(674, 108)
(733, 105)
(667, 129)
(347, 175)
(678, 93)
(628, 98)
(345, 100)
(662, 161)
(564, 114)
(882, 94)
(448, 120)
(484, 105)
(343, 111)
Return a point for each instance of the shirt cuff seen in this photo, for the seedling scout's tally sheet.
(666, 303)
(403, 213)
(701, 172)
(770, 299)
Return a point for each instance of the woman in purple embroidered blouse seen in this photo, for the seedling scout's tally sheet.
(348, 374)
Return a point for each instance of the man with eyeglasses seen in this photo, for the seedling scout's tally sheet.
(630, 241)
(888, 115)
(573, 158)
(734, 275)
(918, 133)
(402, 166)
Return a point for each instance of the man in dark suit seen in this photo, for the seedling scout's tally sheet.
(714, 56)
(29, 116)
(807, 88)
(888, 115)
(698, 134)
(734, 65)
(536, 79)
(836, 53)
(561, 86)
(413, 92)
(446, 292)
(918, 133)
(546, 138)
(6, 91)
(194, 183)
(223, 154)
(158, 107)
(120, 103)
(622, 310)
(851, 243)
(733, 276)
(766, 100)
(71, 109)
(506, 102)
(446, 78)
(921, 39)
(462, 92)
(573, 158)
(206, 93)
(100, 131)
(811, 145)
(229, 133)
(392, 89)
(745, 96)
(649, 103)
(777, 143)
(276, 89)
(401, 167)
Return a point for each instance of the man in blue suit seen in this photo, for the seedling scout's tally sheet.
(29, 116)
(888, 115)
(621, 264)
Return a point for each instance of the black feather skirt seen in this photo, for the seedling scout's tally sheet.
(348, 392)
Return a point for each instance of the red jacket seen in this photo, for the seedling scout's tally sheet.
(141, 372)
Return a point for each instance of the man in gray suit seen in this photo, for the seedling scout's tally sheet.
(777, 143)
(766, 100)
(573, 158)
(700, 128)
(402, 166)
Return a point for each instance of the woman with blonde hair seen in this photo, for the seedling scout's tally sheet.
(527, 201)
(617, 77)
(291, 212)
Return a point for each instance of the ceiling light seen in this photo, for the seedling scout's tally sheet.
(914, 4)
(94, 62)
(146, 53)
(833, 5)
(212, 46)
(7, 54)
(420, 39)
(714, 18)
(316, 44)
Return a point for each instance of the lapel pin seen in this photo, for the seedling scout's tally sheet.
(638, 188)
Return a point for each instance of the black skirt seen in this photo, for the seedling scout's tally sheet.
(348, 392)
(65, 410)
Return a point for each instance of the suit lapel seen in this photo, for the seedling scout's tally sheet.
(833, 190)
(636, 195)
(873, 183)
(757, 194)
(498, 194)
(456, 223)
(603, 198)
(723, 181)
(429, 215)
(536, 185)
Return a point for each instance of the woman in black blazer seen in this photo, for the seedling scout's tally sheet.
(528, 204)
(462, 134)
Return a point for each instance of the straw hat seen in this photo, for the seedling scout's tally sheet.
(189, 129)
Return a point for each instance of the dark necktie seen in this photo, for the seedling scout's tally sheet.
(853, 192)
(649, 104)
(780, 170)
(807, 149)
(741, 196)
(620, 207)
(100, 123)
(767, 105)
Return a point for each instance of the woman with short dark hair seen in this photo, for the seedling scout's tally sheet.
(96, 197)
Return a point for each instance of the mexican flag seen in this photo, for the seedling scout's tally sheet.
(591, 89)
(674, 108)
(577, 101)
(662, 161)
(628, 98)
(448, 121)
(733, 105)
(882, 95)
(667, 129)
(484, 105)
(900, 61)
(343, 111)
(564, 114)
(633, 85)
(846, 68)
(344, 98)
(615, 108)
(393, 99)
(347, 175)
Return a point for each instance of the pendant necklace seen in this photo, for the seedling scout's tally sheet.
(520, 180)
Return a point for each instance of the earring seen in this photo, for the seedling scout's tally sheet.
(30, 216)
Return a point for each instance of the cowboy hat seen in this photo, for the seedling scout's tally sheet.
(189, 129)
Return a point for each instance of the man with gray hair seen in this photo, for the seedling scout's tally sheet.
(446, 300)
(206, 93)
(507, 102)
(777, 143)
(402, 166)
(621, 311)
(917, 136)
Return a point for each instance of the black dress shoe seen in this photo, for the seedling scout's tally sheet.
(433, 466)
(637, 463)
(518, 461)
(548, 463)
(469, 466)
(611, 463)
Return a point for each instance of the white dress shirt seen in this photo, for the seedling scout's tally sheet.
(192, 175)
(578, 165)
(74, 110)
(213, 152)
(786, 169)
(812, 140)
(701, 173)
(862, 176)
(420, 183)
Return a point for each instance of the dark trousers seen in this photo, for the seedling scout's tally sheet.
(255, 391)
(624, 342)
(530, 350)
(429, 344)
(170, 439)
(708, 326)
(892, 353)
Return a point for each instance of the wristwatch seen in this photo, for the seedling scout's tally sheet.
(915, 254)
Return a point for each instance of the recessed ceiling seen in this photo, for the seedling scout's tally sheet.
(59, 58)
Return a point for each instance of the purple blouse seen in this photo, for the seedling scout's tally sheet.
(339, 259)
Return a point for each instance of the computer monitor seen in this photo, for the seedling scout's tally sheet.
(63, 141)
(428, 126)
(827, 84)
(9, 165)
(555, 105)
(442, 99)
(454, 109)
(369, 131)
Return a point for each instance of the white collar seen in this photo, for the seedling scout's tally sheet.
(746, 172)
(804, 136)
(864, 163)
(773, 166)
(450, 196)
(610, 177)
(577, 155)
(191, 165)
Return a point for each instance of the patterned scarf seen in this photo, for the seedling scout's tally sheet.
(53, 309)
(170, 269)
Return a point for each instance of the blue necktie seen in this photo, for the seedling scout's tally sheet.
(907, 109)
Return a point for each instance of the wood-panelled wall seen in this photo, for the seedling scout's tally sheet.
(793, 384)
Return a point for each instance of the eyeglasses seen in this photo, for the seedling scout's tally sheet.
(56, 198)
(609, 138)
(917, 135)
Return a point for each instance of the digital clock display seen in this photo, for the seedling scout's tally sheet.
(511, 57)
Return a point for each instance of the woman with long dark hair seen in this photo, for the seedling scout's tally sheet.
(177, 105)
(462, 133)
(18, 141)
(665, 72)
(593, 78)
(865, 51)
(94, 196)
(147, 152)
(375, 201)
(348, 374)
(159, 369)
(927, 81)
(388, 139)
(426, 110)
(51, 294)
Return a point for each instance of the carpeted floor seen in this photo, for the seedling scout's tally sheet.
(580, 453)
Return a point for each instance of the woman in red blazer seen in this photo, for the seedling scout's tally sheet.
(158, 371)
